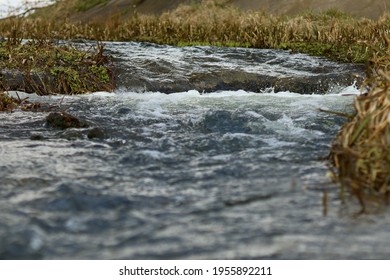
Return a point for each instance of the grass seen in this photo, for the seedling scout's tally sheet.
(361, 152)
(9, 104)
(331, 34)
(45, 68)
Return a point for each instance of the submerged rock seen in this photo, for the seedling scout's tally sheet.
(96, 133)
(37, 137)
(21, 242)
(63, 120)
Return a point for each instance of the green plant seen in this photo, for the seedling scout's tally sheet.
(47, 68)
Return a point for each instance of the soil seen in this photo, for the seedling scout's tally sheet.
(366, 8)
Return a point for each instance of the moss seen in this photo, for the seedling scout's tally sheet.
(101, 73)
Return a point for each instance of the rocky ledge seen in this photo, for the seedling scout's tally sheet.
(209, 69)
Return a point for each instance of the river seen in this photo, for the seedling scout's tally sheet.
(203, 173)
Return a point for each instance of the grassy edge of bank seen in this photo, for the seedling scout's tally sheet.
(331, 34)
(43, 67)
(360, 154)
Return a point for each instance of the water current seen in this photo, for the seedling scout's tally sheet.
(229, 174)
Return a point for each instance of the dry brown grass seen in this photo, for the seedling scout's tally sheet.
(361, 151)
(9, 104)
(332, 34)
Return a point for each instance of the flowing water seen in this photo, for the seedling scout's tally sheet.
(189, 175)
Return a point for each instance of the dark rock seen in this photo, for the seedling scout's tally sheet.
(63, 120)
(96, 133)
(37, 137)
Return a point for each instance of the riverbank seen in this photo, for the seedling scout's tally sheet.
(361, 153)
(46, 68)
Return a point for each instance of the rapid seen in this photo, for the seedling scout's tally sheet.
(225, 166)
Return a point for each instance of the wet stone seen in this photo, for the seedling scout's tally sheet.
(37, 137)
(96, 133)
(63, 120)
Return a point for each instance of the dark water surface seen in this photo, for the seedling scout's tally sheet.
(230, 174)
